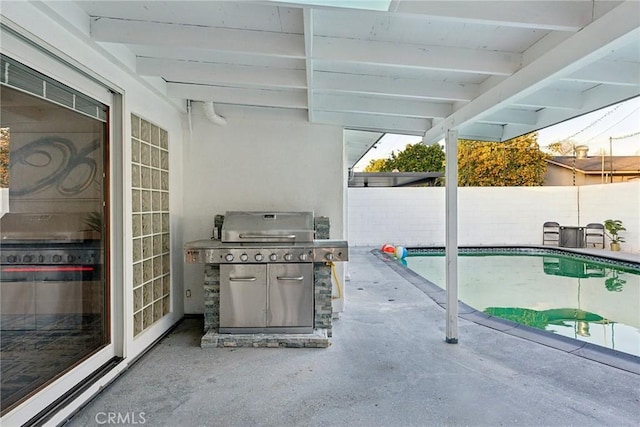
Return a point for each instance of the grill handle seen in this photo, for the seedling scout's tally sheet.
(296, 278)
(243, 279)
(267, 236)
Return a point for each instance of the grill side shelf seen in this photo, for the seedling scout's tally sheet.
(330, 251)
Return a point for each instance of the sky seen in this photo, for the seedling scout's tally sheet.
(593, 130)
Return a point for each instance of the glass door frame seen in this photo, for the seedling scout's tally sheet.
(36, 55)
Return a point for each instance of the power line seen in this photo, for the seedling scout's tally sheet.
(608, 113)
(613, 125)
(625, 136)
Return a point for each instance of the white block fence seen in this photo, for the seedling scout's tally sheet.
(488, 216)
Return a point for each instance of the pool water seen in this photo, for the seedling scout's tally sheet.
(592, 301)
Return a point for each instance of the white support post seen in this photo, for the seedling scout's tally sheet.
(451, 234)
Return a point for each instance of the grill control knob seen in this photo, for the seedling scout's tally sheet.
(27, 259)
(302, 257)
(12, 258)
(259, 257)
(70, 258)
(229, 257)
(41, 259)
(273, 257)
(288, 257)
(244, 257)
(56, 258)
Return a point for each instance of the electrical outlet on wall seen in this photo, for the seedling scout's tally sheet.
(188, 293)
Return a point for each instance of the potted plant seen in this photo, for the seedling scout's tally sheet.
(614, 226)
(94, 221)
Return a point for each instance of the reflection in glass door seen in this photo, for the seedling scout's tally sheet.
(53, 284)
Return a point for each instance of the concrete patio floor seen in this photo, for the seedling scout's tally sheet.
(388, 365)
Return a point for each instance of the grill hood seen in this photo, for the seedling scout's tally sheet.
(46, 227)
(267, 227)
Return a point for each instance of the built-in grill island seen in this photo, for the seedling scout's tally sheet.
(267, 279)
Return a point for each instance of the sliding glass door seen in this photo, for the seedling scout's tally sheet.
(54, 282)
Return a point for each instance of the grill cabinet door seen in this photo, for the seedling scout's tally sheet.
(290, 295)
(243, 296)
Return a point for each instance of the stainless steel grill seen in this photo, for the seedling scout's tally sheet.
(263, 237)
(266, 270)
(51, 266)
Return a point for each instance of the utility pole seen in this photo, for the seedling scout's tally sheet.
(573, 146)
(601, 165)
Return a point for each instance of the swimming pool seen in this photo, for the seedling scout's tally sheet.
(586, 298)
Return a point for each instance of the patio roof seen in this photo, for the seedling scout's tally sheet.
(392, 179)
(492, 70)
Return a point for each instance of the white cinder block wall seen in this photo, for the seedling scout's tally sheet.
(512, 215)
(407, 216)
(614, 201)
(487, 215)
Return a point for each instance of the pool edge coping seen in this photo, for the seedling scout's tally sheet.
(610, 357)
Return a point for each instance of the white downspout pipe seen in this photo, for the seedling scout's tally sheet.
(189, 108)
(211, 114)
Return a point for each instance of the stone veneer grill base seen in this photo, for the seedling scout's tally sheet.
(323, 311)
(318, 339)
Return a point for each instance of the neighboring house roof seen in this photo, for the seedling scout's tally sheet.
(596, 164)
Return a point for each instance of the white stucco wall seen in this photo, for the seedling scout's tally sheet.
(487, 215)
(260, 160)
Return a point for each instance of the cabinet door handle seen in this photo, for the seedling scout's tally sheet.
(243, 279)
(296, 278)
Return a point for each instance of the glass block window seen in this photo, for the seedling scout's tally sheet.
(150, 223)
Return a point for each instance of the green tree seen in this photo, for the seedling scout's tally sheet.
(517, 162)
(4, 157)
(375, 165)
(562, 148)
(416, 158)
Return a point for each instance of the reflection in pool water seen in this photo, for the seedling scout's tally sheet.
(542, 319)
(592, 301)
